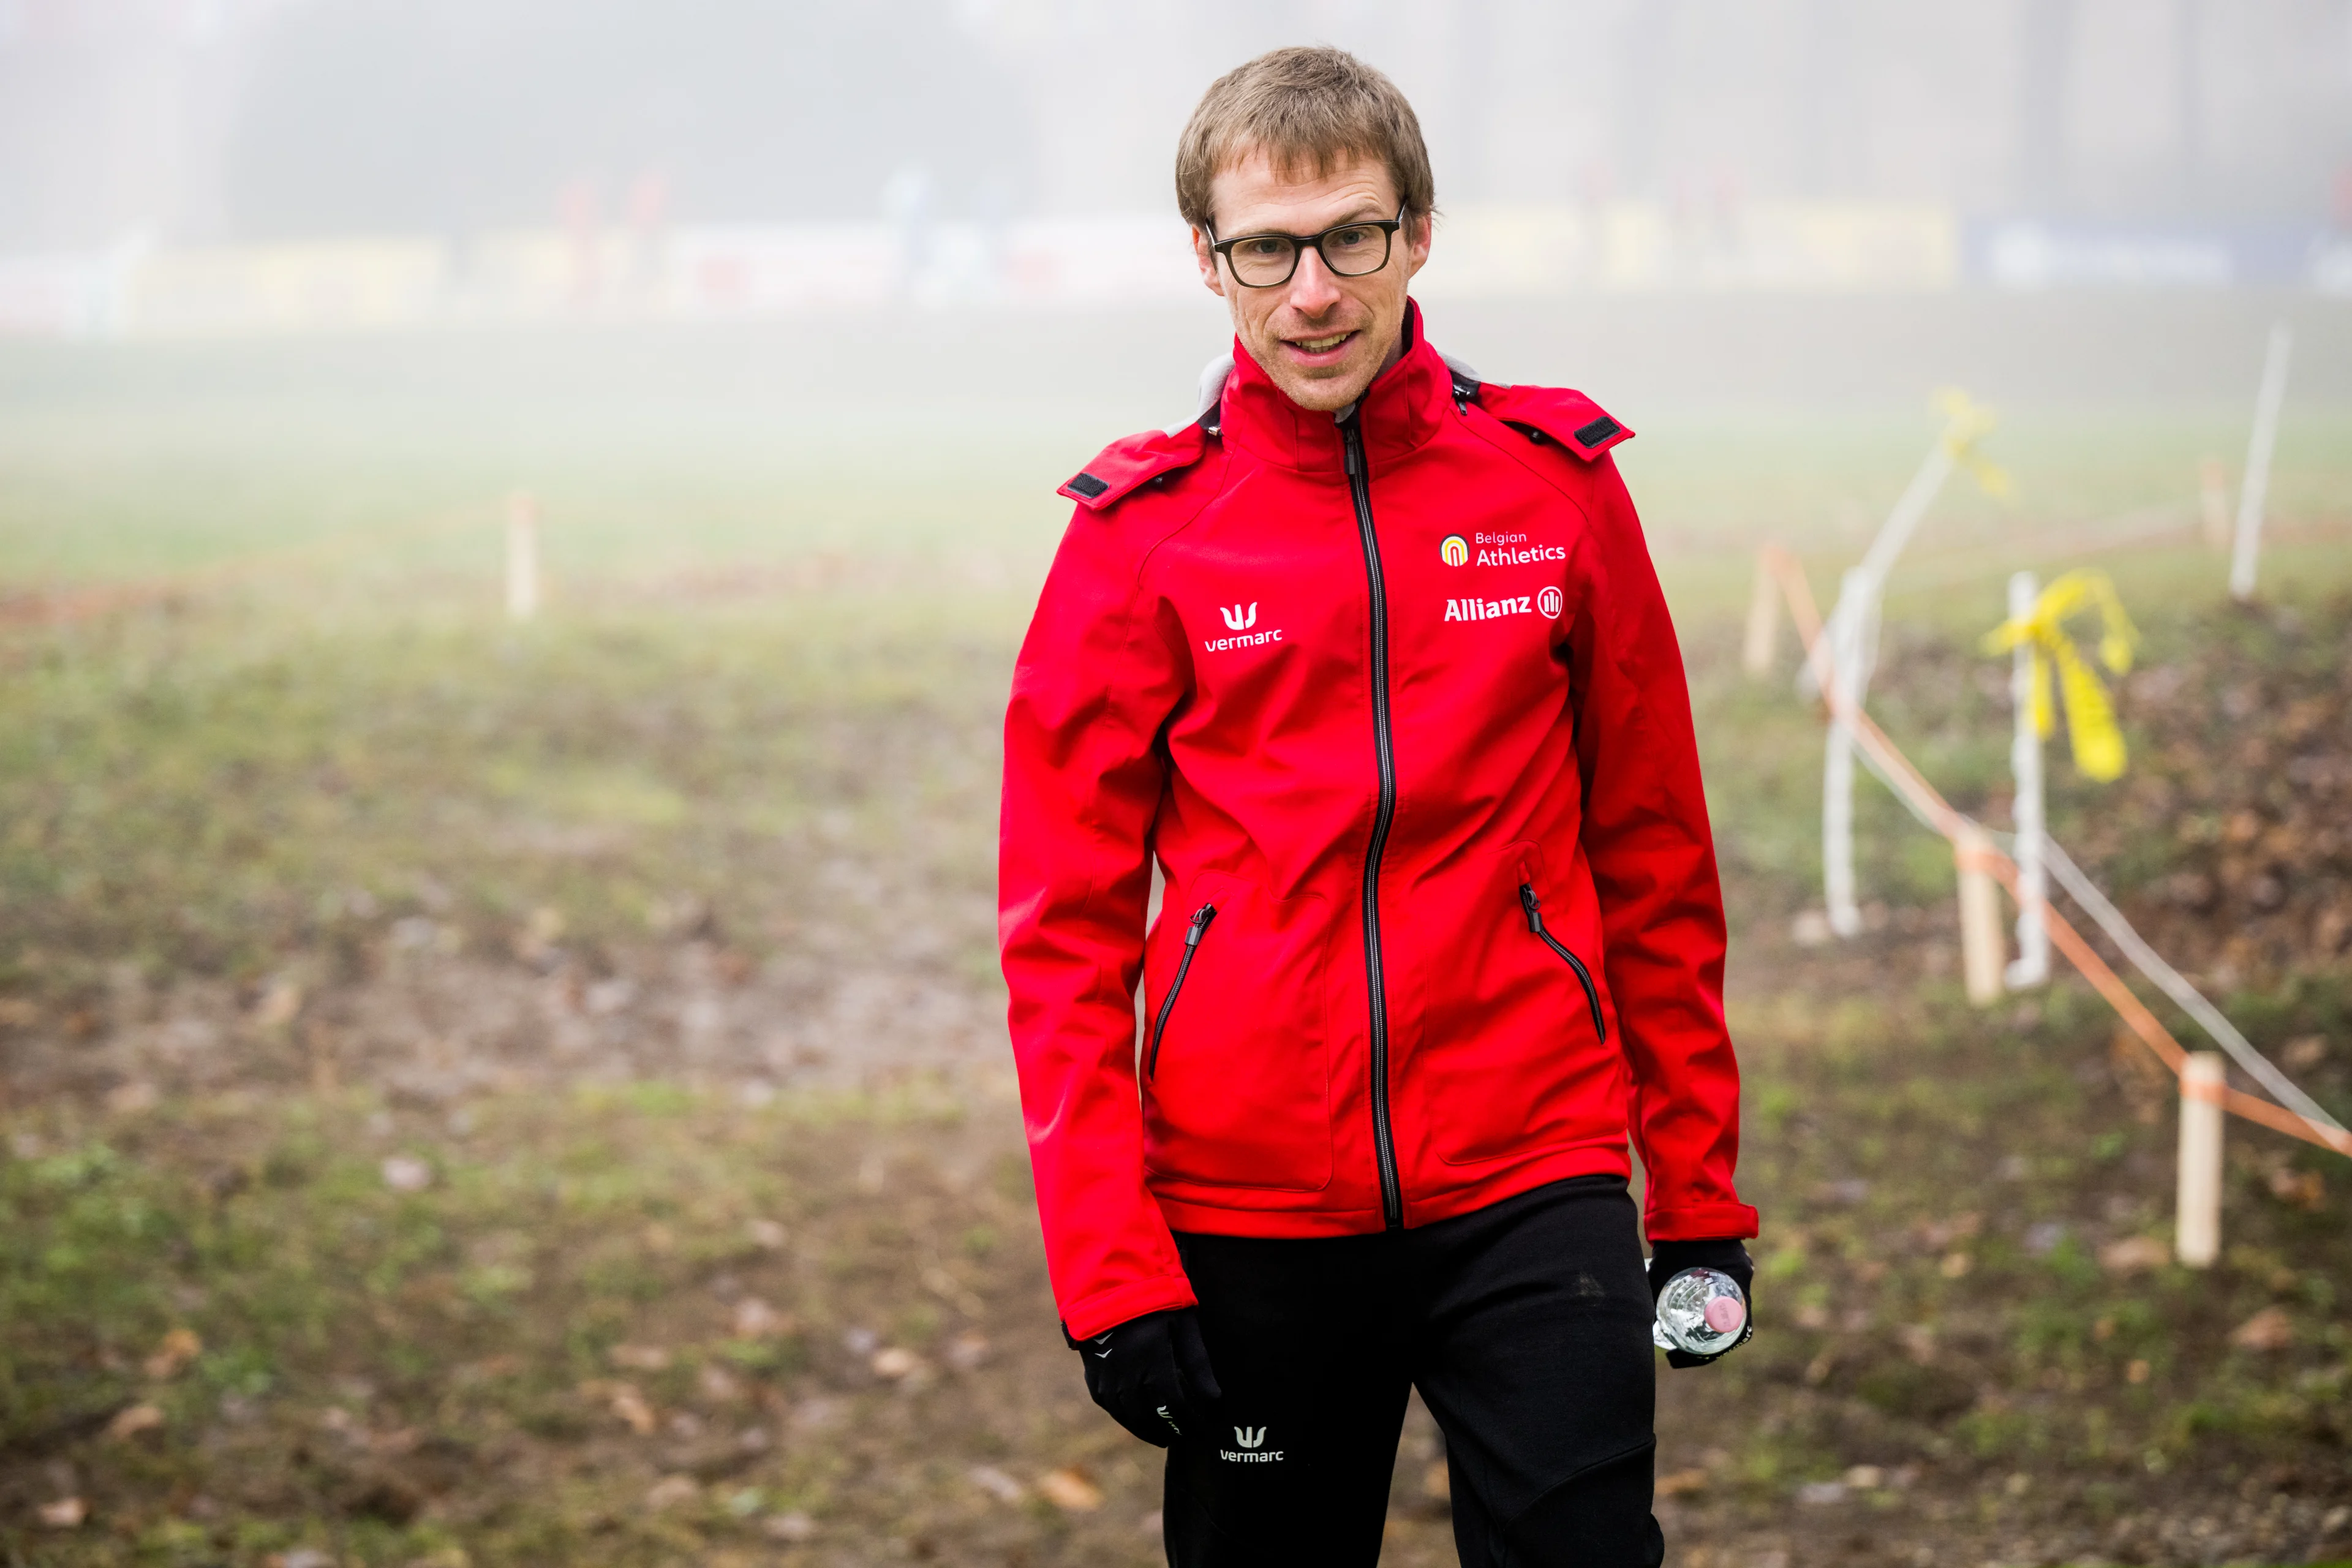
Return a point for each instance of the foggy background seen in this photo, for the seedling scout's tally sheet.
(201, 121)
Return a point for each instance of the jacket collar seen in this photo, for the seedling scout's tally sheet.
(1400, 410)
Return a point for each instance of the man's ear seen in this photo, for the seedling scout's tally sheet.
(1212, 277)
(1417, 237)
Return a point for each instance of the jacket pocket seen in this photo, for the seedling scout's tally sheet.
(1236, 1084)
(1515, 1057)
(1533, 905)
(1194, 929)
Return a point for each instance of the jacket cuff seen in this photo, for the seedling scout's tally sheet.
(1090, 1315)
(1701, 1222)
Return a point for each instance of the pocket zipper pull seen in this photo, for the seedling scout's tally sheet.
(1201, 918)
(1533, 905)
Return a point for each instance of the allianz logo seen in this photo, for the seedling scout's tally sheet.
(1546, 604)
(1253, 1449)
(1241, 618)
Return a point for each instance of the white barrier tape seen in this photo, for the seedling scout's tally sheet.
(2171, 980)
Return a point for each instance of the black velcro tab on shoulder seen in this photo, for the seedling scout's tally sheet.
(1571, 418)
(1120, 467)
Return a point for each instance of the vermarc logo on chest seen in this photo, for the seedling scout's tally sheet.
(1241, 620)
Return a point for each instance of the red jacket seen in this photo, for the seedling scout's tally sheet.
(1394, 699)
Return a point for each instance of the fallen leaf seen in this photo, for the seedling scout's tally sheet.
(631, 1407)
(172, 1354)
(1956, 1264)
(2268, 1330)
(2134, 1255)
(1865, 1478)
(764, 1233)
(2304, 1189)
(895, 1363)
(671, 1491)
(278, 1005)
(66, 1513)
(129, 1422)
(2304, 1052)
(794, 1526)
(755, 1320)
(1070, 1491)
(1680, 1481)
(640, 1358)
(997, 1484)
(406, 1174)
(2137, 1372)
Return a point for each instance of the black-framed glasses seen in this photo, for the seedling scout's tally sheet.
(1350, 250)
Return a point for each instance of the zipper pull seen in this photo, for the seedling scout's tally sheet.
(1201, 918)
(1533, 905)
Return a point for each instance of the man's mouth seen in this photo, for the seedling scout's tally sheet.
(1323, 348)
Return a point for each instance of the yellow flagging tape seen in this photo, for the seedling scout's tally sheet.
(2091, 725)
(1931, 804)
(1967, 422)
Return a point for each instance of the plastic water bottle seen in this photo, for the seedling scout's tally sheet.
(1701, 1310)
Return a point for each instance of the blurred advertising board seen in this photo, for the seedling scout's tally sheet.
(2027, 253)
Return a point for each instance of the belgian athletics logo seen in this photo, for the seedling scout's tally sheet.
(1455, 551)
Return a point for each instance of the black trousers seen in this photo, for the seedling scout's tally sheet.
(1525, 1325)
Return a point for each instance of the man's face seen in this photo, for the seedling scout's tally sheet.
(1321, 338)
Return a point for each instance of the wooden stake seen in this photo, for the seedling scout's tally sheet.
(2197, 1236)
(2213, 492)
(522, 556)
(1763, 625)
(1983, 953)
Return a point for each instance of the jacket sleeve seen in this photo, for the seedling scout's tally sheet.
(1653, 859)
(1097, 676)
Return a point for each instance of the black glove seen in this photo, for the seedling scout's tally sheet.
(1151, 1373)
(1668, 1259)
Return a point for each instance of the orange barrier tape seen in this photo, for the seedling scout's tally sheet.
(1807, 617)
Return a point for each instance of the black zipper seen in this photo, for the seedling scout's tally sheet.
(1359, 483)
(1201, 918)
(1534, 906)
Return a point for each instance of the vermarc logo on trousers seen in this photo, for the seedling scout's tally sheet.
(1253, 1449)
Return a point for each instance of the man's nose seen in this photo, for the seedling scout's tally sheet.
(1313, 290)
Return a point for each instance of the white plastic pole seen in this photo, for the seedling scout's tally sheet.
(522, 556)
(2031, 966)
(2197, 1234)
(1837, 760)
(2255, 489)
(1853, 642)
(1980, 943)
(1763, 624)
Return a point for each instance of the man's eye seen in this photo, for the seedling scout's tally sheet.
(1264, 249)
(1348, 238)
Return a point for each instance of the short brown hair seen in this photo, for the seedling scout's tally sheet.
(1310, 110)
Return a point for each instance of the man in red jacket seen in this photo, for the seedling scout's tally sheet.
(1370, 659)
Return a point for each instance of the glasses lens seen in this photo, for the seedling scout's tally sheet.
(1265, 260)
(1351, 252)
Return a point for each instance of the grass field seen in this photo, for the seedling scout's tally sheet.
(487, 1094)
